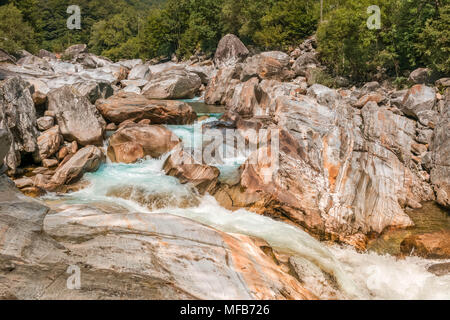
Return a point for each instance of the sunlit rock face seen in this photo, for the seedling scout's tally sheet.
(230, 51)
(342, 171)
(76, 117)
(136, 141)
(131, 106)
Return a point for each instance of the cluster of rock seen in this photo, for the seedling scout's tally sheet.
(56, 113)
(351, 160)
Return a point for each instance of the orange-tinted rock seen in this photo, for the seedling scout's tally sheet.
(429, 245)
(130, 106)
(182, 166)
(136, 141)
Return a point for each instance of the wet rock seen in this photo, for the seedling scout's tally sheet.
(182, 165)
(136, 141)
(172, 84)
(49, 142)
(341, 171)
(230, 51)
(18, 119)
(418, 99)
(317, 281)
(429, 245)
(87, 159)
(130, 106)
(154, 199)
(45, 123)
(440, 269)
(175, 247)
(76, 117)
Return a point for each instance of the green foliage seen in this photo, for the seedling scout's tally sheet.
(15, 34)
(112, 38)
(434, 42)
(412, 34)
(286, 22)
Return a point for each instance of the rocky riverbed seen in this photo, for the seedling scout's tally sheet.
(100, 170)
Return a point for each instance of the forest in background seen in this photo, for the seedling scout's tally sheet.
(413, 33)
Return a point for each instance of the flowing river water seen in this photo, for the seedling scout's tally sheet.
(376, 274)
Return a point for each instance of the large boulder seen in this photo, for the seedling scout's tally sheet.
(131, 106)
(419, 98)
(18, 119)
(305, 61)
(428, 245)
(222, 84)
(87, 159)
(267, 65)
(76, 117)
(246, 96)
(230, 51)
(420, 76)
(139, 72)
(49, 142)
(136, 141)
(75, 50)
(182, 165)
(173, 84)
(94, 90)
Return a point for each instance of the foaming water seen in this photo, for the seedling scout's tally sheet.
(388, 278)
